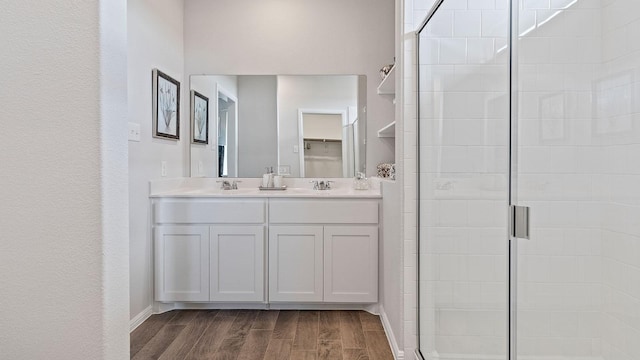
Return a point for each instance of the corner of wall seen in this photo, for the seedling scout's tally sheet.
(114, 164)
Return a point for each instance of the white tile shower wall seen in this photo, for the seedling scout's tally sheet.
(559, 174)
(464, 163)
(580, 289)
(413, 12)
(617, 128)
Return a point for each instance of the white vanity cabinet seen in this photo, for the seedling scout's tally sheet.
(351, 264)
(181, 263)
(295, 263)
(218, 250)
(323, 251)
(209, 250)
(236, 263)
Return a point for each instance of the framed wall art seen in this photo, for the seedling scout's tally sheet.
(551, 117)
(199, 118)
(166, 106)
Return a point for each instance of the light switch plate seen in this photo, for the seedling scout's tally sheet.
(296, 149)
(134, 132)
(163, 167)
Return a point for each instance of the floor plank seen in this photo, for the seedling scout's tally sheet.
(183, 344)
(306, 331)
(229, 349)
(329, 350)
(184, 317)
(255, 346)
(266, 320)
(286, 324)
(378, 345)
(355, 354)
(147, 330)
(370, 321)
(302, 355)
(213, 336)
(329, 325)
(279, 349)
(351, 330)
(159, 343)
(242, 324)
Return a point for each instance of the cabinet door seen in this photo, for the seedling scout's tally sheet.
(351, 264)
(181, 263)
(295, 263)
(237, 263)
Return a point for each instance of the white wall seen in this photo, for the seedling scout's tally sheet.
(309, 93)
(63, 225)
(390, 272)
(294, 37)
(257, 124)
(155, 40)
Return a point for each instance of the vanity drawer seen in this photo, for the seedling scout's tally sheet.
(210, 212)
(323, 211)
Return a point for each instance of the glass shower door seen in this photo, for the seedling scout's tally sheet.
(578, 169)
(463, 190)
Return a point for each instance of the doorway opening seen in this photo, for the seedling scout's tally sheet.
(324, 143)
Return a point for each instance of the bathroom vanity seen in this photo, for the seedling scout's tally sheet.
(298, 246)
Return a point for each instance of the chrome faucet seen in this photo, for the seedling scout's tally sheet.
(226, 185)
(321, 185)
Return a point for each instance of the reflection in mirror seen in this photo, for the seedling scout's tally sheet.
(301, 125)
(227, 134)
(324, 146)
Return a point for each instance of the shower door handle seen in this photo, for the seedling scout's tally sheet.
(519, 222)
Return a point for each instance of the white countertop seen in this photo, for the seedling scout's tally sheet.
(248, 188)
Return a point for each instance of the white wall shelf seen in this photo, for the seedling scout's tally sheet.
(388, 131)
(388, 84)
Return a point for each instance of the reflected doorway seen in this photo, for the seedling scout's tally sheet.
(324, 140)
(227, 134)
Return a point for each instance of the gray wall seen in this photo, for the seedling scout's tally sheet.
(257, 124)
(154, 40)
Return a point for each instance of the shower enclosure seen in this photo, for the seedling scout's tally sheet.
(529, 103)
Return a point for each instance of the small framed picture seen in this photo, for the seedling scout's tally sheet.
(166, 106)
(551, 116)
(613, 104)
(199, 118)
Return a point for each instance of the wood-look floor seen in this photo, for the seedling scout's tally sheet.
(261, 335)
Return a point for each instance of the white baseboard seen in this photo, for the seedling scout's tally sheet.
(160, 308)
(284, 306)
(140, 318)
(397, 353)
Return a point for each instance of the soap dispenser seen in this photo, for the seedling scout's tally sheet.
(267, 178)
(360, 182)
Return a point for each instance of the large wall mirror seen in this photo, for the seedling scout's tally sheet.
(299, 125)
